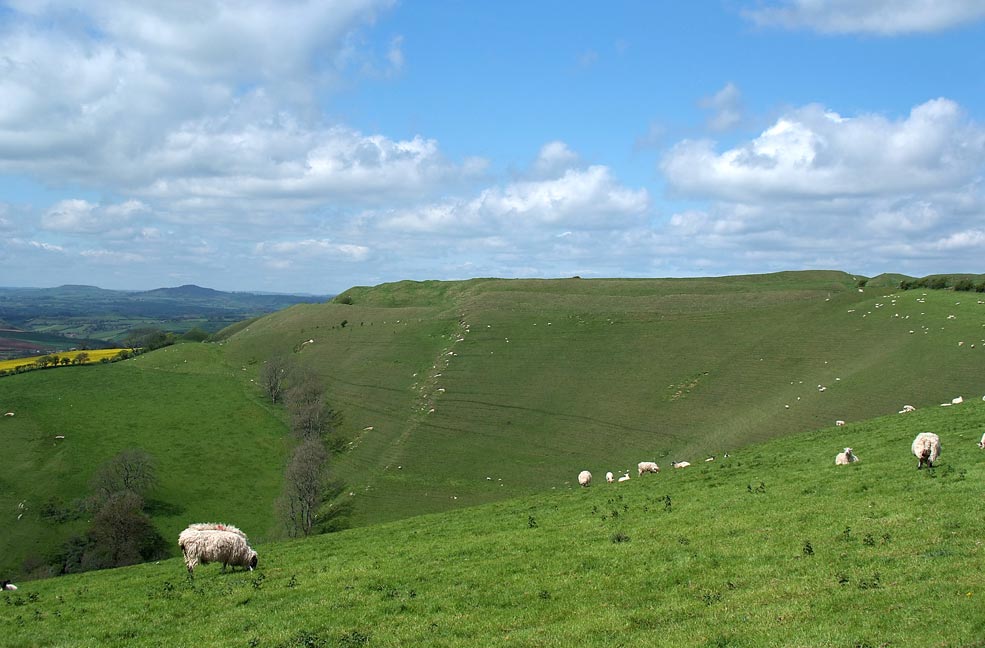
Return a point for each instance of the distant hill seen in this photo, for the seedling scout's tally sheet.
(78, 312)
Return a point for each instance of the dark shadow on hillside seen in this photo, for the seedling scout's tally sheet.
(160, 507)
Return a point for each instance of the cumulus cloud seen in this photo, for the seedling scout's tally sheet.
(553, 159)
(81, 216)
(812, 152)
(880, 17)
(726, 107)
(818, 189)
(588, 198)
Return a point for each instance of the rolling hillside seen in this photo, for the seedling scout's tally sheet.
(528, 379)
(772, 546)
(462, 393)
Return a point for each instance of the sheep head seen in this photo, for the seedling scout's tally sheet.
(253, 560)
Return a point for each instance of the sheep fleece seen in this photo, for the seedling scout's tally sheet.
(212, 545)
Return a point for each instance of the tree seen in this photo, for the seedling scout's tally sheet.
(122, 533)
(130, 471)
(82, 358)
(65, 361)
(275, 374)
(304, 487)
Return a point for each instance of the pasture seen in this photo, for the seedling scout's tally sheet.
(774, 545)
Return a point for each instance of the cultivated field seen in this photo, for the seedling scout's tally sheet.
(94, 355)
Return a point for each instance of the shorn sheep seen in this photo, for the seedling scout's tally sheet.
(585, 478)
(845, 458)
(7, 586)
(680, 464)
(644, 467)
(220, 543)
(926, 448)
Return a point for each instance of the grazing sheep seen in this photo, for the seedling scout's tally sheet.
(711, 458)
(609, 478)
(585, 478)
(907, 409)
(981, 444)
(845, 458)
(839, 423)
(680, 464)
(7, 586)
(647, 467)
(205, 544)
(624, 477)
(926, 448)
(957, 400)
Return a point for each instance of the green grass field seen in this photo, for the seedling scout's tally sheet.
(219, 451)
(528, 380)
(773, 546)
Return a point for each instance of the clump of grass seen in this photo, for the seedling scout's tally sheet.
(619, 537)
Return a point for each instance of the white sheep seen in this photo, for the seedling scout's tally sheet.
(981, 444)
(846, 457)
(839, 423)
(8, 413)
(711, 458)
(957, 400)
(609, 477)
(907, 409)
(680, 464)
(926, 448)
(585, 478)
(647, 467)
(7, 586)
(624, 477)
(204, 545)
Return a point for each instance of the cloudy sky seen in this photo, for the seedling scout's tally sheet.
(308, 146)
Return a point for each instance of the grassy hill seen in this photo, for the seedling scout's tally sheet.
(219, 450)
(457, 394)
(529, 378)
(772, 546)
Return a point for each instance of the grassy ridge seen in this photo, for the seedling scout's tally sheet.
(528, 378)
(219, 451)
(773, 546)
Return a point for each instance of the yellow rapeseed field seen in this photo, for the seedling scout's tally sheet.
(95, 355)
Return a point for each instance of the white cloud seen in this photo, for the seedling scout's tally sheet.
(588, 198)
(553, 159)
(726, 105)
(816, 153)
(283, 252)
(83, 217)
(111, 257)
(818, 189)
(880, 17)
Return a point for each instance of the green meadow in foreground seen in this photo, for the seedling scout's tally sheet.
(772, 546)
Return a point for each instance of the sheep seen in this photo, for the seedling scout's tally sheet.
(711, 458)
(205, 543)
(609, 478)
(647, 467)
(7, 586)
(846, 457)
(585, 478)
(624, 477)
(8, 413)
(680, 464)
(839, 423)
(926, 448)
(981, 444)
(907, 409)
(957, 400)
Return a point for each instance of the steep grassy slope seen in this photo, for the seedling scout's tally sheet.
(773, 546)
(529, 379)
(219, 450)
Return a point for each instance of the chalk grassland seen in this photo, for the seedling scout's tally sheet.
(529, 379)
(95, 355)
(219, 450)
(774, 546)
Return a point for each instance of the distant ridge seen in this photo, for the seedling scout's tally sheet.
(187, 290)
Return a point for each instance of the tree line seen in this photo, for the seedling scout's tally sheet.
(304, 506)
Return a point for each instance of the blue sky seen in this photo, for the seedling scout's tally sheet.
(312, 146)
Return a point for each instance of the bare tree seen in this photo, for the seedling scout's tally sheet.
(304, 487)
(275, 375)
(132, 470)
